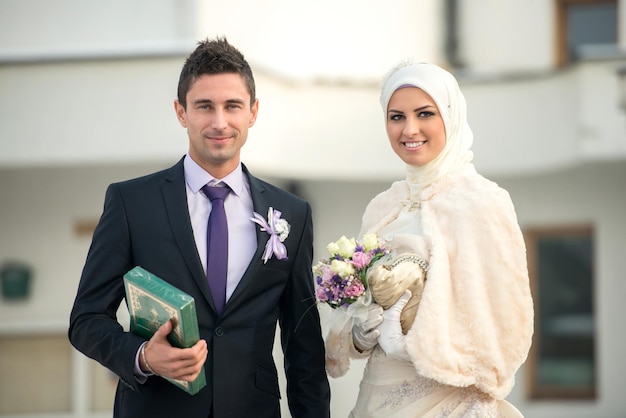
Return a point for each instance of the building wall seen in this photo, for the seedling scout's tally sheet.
(500, 36)
(102, 111)
(75, 26)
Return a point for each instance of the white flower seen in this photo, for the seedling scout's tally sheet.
(346, 247)
(370, 242)
(333, 249)
(282, 229)
(342, 268)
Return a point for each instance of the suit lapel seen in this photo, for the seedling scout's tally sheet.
(175, 200)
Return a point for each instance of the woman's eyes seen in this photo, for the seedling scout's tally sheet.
(421, 115)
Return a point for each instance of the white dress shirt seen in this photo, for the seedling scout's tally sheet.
(239, 209)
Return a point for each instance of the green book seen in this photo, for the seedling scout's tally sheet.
(152, 302)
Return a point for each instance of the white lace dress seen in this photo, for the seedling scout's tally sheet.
(391, 388)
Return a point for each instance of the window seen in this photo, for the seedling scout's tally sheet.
(562, 363)
(584, 23)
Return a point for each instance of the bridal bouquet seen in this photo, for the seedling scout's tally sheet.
(342, 278)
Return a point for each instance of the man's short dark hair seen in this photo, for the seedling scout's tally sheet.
(214, 56)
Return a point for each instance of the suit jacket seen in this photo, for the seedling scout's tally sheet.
(146, 222)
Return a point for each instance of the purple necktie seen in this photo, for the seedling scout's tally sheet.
(217, 245)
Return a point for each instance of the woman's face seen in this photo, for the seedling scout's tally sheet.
(414, 126)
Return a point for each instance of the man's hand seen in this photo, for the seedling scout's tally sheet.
(392, 340)
(175, 363)
(364, 334)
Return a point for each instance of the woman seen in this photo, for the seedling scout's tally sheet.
(470, 324)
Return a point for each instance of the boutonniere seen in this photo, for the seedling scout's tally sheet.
(278, 229)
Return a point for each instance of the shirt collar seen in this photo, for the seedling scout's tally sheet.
(196, 177)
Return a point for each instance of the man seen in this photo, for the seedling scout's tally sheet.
(159, 222)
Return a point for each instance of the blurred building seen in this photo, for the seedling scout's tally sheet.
(86, 98)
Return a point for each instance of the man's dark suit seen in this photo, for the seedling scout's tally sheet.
(146, 222)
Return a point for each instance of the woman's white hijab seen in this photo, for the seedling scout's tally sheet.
(443, 88)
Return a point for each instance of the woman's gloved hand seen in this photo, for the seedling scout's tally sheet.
(392, 340)
(364, 333)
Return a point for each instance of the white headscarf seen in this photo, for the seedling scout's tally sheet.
(443, 88)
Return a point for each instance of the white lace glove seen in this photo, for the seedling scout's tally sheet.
(392, 340)
(364, 333)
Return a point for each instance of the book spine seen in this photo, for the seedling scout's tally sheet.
(191, 333)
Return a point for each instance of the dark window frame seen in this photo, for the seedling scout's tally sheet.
(535, 390)
(562, 25)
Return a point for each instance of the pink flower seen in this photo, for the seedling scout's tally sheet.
(321, 294)
(361, 260)
(355, 289)
(327, 274)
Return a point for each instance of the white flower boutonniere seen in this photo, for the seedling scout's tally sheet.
(278, 230)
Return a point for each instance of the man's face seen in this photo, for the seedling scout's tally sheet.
(217, 119)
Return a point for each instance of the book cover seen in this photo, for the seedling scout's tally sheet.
(151, 302)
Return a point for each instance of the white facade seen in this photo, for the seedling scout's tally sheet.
(86, 92)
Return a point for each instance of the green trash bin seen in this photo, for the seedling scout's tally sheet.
(16, 278)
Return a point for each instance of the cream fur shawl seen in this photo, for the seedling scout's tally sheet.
(475, 321)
